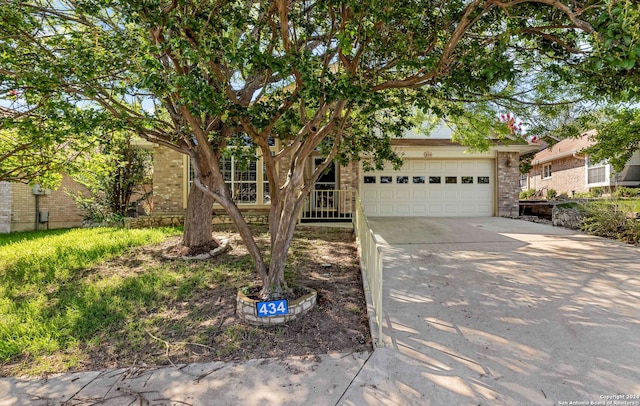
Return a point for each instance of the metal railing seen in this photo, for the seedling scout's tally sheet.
(371, 263)
(329, 205)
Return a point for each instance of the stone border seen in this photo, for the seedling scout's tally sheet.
(174, 220)
(246, 309)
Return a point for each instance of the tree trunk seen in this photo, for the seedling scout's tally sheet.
(281, 242)
(197, 219)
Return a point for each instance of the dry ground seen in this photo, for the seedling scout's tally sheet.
(203, 327)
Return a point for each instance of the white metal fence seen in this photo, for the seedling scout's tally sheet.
(371, 262)
(329, 205)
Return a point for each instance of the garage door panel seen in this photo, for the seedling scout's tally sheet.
(409, 191)
(386, 209)
(451, 165)
(468, 194)
(468, 166)
(418, 165)
(451, 210)
(370, 209)
(369, 195)
(436, 195)
(435, 210)
(451, 195)
(419, 194)
(385, 194)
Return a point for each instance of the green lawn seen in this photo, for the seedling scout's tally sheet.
(49, 298)
(86, 299)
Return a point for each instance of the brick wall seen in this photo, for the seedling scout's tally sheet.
(168, 184)
(567, 176)
(5, 207)
(63, 210)
(508, 184)
(349, 176)
(348, 181)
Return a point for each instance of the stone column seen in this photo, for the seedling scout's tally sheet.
(508, 165)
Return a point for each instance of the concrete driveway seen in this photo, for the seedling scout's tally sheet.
(494, 311)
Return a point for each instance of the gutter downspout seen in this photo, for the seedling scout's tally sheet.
(37, 214)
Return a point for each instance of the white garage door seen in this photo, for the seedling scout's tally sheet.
(436, 188)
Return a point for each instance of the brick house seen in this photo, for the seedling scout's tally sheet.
(438, 178)
(566, 168)
(23, 209)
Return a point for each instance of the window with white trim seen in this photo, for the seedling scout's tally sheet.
(248, 182)
(546, 171)
(241, 178)
(596, 172)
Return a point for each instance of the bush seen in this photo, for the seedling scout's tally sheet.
(625, 192)
(527, 194)
(610, 220)
(583, 195)
(551, 194)
(600, 191)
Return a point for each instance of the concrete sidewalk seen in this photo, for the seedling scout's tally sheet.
(292, 381)
(479, 311)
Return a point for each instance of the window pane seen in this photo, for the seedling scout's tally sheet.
(369, 179)
(451, 179)
(266, 197)
(435, 179)
(483, 180)
(245, 192)
(418, 179)
(467, 179)
(386, 179)
(402, 179)
(596, 175)
(226, 168)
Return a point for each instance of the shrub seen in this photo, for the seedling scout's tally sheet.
(602, 191)
(551, 193)
(583, 195)
(625, 192)
(527, 194)
(610, 220)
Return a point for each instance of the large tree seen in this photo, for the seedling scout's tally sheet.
(340, 77)
(35, 147)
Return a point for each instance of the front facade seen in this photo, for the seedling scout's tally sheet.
(567, 169)
(25, 208)
(439, 178)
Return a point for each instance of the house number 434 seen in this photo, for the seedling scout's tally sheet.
(272, 308)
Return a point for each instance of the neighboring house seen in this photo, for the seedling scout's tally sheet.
(23, 208)
(566, 168)
(439, 178)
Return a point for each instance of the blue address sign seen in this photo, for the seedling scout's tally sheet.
(272, 308)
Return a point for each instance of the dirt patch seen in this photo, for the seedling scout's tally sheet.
(179, 250)
(192, 315)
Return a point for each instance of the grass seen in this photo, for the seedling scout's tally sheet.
(85, 299)
(50, 301)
